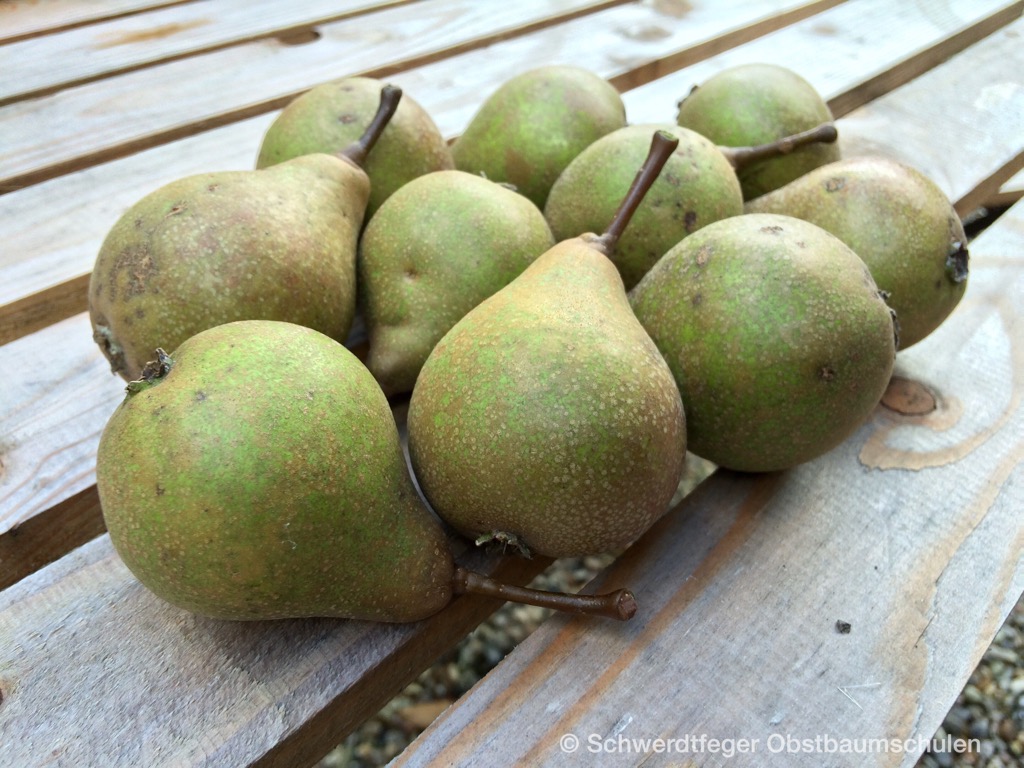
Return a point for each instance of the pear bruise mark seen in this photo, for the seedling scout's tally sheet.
(772, 229)
(703, 254)
(908, 397)
(827, 373)
(347, 117)
(176, 209)
(690, 221)
(835, 184)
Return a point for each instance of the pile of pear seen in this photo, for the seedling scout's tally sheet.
(569, 303)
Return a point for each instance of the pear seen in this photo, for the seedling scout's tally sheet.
(777, 335)
(438, 247)
(534, 124)
(258, 474)
(754, 104)
(697, 186)
(546, 418)
(331, 115)
(898, 221)
(276, 244)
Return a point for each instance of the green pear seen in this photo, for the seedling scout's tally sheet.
(276, 244)
(697, 186)
(258, 474)
(753, 104)
(332, 114)
(898, 221)
(777, 336)
(438, 247)
(534, 124)
(546, 417)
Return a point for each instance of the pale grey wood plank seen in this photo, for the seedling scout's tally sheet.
(45, 64)
(910, 531)
(23, 19)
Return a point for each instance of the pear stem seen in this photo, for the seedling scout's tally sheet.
(620, 604)
(739, 157)
(356, 152)
(663, 144)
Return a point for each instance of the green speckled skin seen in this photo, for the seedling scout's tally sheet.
(755, 104)
(529, 130)
(438, 247)
(898, 221)
(263, 478)
(696, 187)
(277, 244)
(547, 413)
(776, 334)
(330, 117)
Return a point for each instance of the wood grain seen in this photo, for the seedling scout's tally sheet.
(27, 18)
(916, 544)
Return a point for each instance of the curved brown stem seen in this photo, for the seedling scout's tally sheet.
(738, 157)
(663, 144)
(356, 152)
(619, 604)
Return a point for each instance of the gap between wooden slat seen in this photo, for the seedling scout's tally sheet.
(29, 31)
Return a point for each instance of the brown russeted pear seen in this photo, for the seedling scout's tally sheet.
(898, 221)
(438, 247)
(534, 124)
(546, 418)
(758, 103)
(331, 115)
(278, 244)
(777, 335)
(697, 186)
(258, 474)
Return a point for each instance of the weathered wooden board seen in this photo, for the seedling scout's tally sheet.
(107, 48)
(25, 18)
(95, 122)
(96, 670)
(911, 532)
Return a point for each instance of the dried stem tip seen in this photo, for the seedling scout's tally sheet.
(739, 157)
(356, 152)
(663, 144)
(619, 604)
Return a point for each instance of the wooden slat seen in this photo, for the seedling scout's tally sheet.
(90, 123)
(84, 54)
(910, 531)
(25, 18)
(1009, 193)
(96, 670)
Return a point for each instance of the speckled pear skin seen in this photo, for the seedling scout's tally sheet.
(262, 477)
(277, 244)
(534, 124)
(330, 116)
(438, 247)
(898, 221)
(754, 104)
(696, 186)
(776, 334)
(547, 416)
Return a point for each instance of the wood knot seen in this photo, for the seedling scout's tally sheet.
(908, 397)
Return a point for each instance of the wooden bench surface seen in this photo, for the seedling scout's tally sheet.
(911, 531)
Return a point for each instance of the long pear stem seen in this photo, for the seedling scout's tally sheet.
(663, 144)
(739, 157)
(356, 152)
(620, 604)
